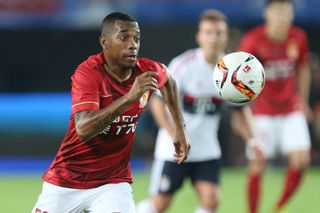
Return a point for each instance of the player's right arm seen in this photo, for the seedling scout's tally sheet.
(169, 93)
(242, 124)
(89, 123)
(159, 113)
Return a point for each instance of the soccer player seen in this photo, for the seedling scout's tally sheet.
(202, 110)
(281, 110)
(91, 171)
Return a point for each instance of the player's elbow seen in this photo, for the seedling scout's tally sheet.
(82, 136)
(82, 133)
(172, 82)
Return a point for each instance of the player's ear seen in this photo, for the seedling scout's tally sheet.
(103, 42)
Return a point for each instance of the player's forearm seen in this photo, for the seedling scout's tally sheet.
(170, 95)
(241, 123)
(304, 81)
(90, 123)
(160, 115)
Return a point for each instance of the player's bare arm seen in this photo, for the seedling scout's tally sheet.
(159, 112)
(242, 124)
(90, 123)
(170, 95)
(304, 81)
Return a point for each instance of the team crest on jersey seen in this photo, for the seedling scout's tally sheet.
(144, 99)
(293, 50)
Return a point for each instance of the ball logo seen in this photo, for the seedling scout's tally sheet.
(246, 69)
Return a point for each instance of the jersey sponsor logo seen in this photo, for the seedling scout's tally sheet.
(128, 125)
(279, 69)
(201, 105)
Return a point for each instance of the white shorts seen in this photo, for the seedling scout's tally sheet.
(281, 134)
(109, 198)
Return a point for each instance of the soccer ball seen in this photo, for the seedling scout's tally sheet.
(239, 77)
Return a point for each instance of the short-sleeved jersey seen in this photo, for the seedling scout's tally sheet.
(105, 158)
(201, 106)
(281, 61)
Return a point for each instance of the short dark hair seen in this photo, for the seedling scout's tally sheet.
(268, 2)
(213, 15)
(109, 20)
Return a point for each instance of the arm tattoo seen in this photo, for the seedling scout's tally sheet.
(101, 123)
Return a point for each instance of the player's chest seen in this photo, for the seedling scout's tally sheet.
(198, 94)
(198, 81)
(288, 50)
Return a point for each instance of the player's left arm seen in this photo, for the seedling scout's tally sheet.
(304, 75)
(304, 82)
(170, 95)
(242, 124)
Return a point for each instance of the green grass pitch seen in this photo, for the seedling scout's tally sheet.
(18, 194)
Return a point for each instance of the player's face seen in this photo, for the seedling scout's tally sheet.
(279, 15)
(123, 44)
(212, 36)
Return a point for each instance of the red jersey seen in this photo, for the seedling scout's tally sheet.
(280, 61)
(105, 158)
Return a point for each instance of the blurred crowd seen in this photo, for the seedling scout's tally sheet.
(66, 23)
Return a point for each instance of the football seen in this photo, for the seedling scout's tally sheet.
(239, 77)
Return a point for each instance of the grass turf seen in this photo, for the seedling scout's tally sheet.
(18, 194)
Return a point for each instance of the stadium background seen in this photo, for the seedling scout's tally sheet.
(42, 41)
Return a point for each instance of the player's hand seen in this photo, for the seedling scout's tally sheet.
(255, 149)
(182, 147)
(145, 82)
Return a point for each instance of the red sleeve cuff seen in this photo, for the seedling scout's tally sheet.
(85, 106)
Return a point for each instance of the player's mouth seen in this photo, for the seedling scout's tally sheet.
(131, 57)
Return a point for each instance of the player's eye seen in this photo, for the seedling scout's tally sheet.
(123, 38)
(220, 32)
(137, 39)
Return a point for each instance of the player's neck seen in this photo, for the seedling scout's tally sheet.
(277, 35)
(211, 58)
(117, 73)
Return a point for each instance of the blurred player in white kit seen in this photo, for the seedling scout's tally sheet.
(201, 105)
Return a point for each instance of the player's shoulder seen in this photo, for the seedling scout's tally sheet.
(296, 31)
(185, 57)
(92, 64)
(146, 64)
(184, 61)
(255, 32)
